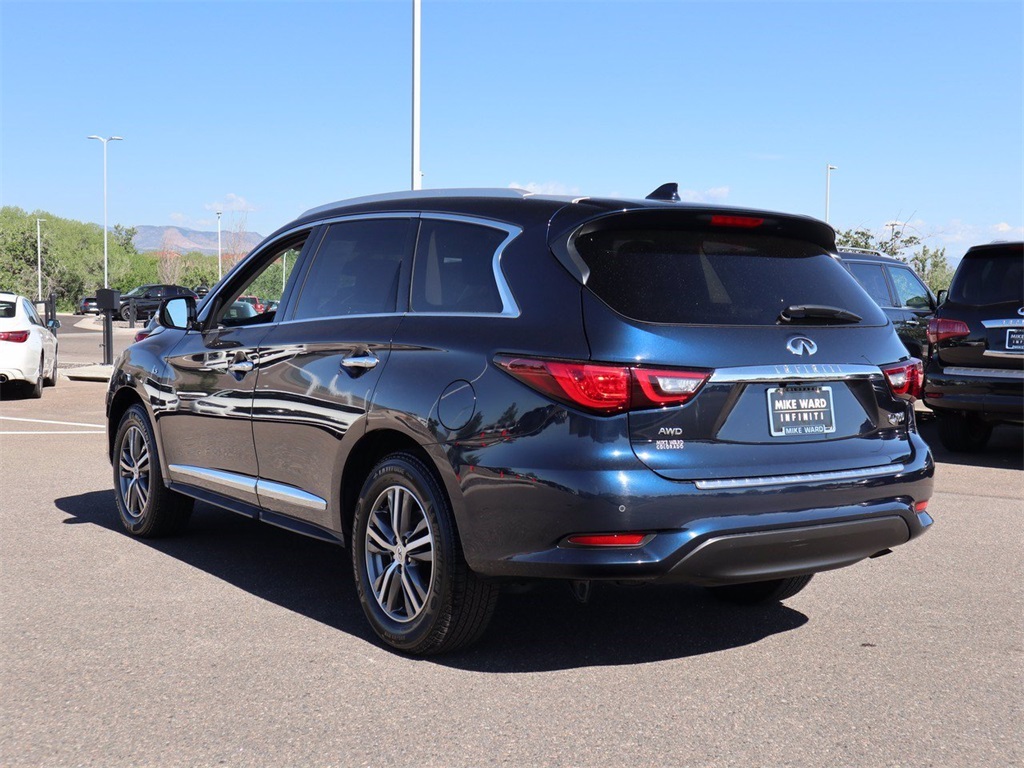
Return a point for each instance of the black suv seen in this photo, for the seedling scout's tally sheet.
(148, 298)
(899, 291)
(473, 388)
(975, 375)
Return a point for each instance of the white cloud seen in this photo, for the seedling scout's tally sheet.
(546, 188)
(712, 195)
(178, 218)
(231, 202)
(1007, 230)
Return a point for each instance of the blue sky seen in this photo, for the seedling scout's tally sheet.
(266, 109)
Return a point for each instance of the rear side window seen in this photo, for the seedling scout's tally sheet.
(356, 269)
(989, 278)
(871, 278)
(699, 277)
(910, 291)
(454, 269)
(7, 309)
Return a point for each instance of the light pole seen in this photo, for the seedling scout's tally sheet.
(417, 180)
(39, 261)
(828, 187)
(106, 282)
(220, 272)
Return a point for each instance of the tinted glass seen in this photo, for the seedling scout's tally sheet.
(273, 269)
(454, 269)
(708, 278)
(989, 278)
(870, 276)
(356, 269)
(910, 291)
(7, 309)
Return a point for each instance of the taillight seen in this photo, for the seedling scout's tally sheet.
(906, 379)
(15, 336)
(604, 389)
(940, 329)
(143, 334)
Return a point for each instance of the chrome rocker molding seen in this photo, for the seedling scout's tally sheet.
(220, 481)
(809, 372)
(984, 373)
(810, 477)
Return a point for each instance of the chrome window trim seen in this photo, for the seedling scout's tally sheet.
(509, 308)
(808, 477)
(1011, 323)
(984, 373)
(290, 495)
(756, 374)
(215, 477)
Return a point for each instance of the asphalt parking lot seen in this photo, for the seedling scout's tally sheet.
(242, 644)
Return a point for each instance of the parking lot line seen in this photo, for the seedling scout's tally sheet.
(45, 421)
(58, 432)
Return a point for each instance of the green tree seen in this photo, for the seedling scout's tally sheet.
(933, 267)
(895, 245)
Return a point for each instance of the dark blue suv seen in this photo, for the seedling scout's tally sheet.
(472, 388)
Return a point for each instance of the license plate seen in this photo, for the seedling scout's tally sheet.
(1015, 338)
(796, 411)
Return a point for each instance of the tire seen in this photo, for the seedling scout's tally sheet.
(756, 592)
(421, 599)
(51, 380)
(35, 390)
(126, 313)
(962, 433)
(146, 507)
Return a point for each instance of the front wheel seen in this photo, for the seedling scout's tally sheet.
(414, 585)
(147, 508)
(756, 592)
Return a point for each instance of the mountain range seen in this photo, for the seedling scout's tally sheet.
(184, 240)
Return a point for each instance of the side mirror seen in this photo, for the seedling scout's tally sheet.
(179, 313)
(941, 297)
(53, 324)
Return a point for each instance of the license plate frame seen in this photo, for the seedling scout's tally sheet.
(806, 411)
(1015, 339)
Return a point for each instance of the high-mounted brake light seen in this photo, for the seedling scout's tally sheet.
(604, 389)
(742, 222)
(606, 539)
(16, 336)
(906, 379)
(940, 329)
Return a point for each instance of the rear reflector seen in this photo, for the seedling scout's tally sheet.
(604, 389)
(741, 222)
(940, 329)
(15, 336)
(607, 539)
(906, 379)
(921, 506)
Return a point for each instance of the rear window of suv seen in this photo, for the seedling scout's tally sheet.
(989, 277)
(698, 277)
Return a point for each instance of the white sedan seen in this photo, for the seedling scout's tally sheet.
(28, 349)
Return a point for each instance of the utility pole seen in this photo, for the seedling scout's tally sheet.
(39, 261)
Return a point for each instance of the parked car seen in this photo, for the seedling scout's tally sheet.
(899, 291)
(256, 302)
(88, 306)
(28, 347)
(201, 290)
(476, 387)
(148, 298)
(975, 375)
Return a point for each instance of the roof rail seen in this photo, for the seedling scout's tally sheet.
(851, 249)
(424, 194)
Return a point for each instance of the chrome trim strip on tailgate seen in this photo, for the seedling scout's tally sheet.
(984, 373)
(1014, 323)
(1008, 354)
(753, 374)
(810, 477)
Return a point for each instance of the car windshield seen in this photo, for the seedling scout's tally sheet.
(136, 291)
(700, 277)
(989, 277)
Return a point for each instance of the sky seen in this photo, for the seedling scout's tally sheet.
(266, 109)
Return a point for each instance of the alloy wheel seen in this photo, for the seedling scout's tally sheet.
(133, 472)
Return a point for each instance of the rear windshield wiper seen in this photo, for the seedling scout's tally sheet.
(794, 313)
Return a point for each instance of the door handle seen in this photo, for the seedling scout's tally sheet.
(362, 362)
(242, 366)
(911, 322)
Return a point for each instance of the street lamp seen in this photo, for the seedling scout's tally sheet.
(39, 261)
(106, 282)
(417, 177)
(828, 186)
(220, 272)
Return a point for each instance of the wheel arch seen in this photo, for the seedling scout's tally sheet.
(123, 399)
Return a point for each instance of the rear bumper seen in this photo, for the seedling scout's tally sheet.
(711, 537)
(996, 394)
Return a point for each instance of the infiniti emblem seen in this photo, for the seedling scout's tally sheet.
(801, 345)
(1021, 311)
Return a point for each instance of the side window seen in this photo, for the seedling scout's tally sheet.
(910, 291)
(30, 313)
(356, 269)
(263, 288)
(454, 269)
(870, 276)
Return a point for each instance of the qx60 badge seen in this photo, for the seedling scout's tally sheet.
(801, 345)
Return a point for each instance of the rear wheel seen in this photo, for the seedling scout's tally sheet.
(962, 432)
(51, 380)
(35, 389)
(414, 585)
(147, 508)
(756, 592)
